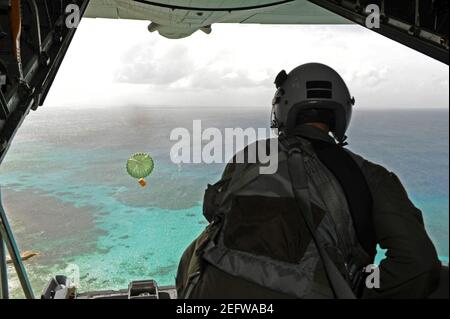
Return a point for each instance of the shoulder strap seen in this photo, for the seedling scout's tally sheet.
(347, 169)
(299, 181)
(361, 204)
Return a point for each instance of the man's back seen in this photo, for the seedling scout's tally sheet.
(271, 227)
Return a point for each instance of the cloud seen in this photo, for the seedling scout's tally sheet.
(371, 77)
(150, 64)
(113, 62)
(210, 79)
(177, 66)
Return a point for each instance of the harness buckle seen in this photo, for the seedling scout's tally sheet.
(295, 150)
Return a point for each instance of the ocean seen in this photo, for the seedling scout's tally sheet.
(69, 197)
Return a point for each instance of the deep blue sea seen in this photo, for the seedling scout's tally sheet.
(69, 197)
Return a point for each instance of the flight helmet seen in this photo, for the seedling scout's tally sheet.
(312, 92)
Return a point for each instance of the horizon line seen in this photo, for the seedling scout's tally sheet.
(240, 107)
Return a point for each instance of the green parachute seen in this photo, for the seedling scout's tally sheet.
(140, 166)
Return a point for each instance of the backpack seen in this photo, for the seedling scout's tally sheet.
(291, 232)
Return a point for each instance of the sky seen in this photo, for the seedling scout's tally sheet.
(119, 63)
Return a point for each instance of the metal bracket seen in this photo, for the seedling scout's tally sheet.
(410, 34)
(146, 289)
(7, 238)
(36, 26)
(3, 105)
(41, 66)
(4, 289)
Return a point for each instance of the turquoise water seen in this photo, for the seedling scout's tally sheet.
(69, 197)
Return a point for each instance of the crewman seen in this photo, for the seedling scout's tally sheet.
(310, 230)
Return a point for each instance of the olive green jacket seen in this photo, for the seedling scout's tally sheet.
(411, 268)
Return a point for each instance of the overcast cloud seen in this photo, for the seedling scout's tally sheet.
(113, 63)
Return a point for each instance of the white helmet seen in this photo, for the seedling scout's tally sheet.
(312, 88)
